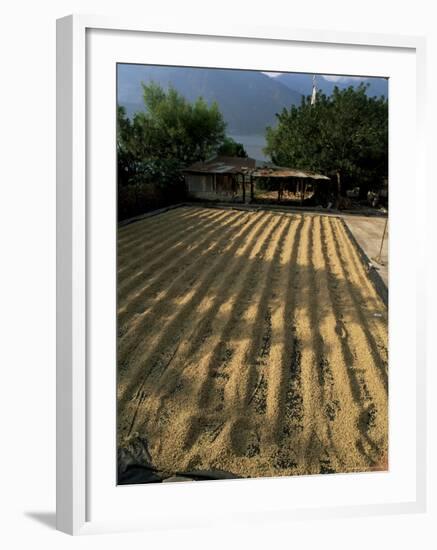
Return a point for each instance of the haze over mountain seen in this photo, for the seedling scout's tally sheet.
(248, 100)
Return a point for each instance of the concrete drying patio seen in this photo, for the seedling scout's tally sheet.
(368, 232)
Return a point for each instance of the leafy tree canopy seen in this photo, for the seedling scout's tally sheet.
(345, 134)
(231, 148)
(176, 128)
(168, 135)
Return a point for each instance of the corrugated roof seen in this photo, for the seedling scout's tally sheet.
(237, 165)
(222, 165)
(282, 172)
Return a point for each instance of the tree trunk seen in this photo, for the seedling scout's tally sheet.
(338, 189)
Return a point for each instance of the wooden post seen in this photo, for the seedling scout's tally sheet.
(304, 193)
(244, 188)
(379, 257)
(251, 188)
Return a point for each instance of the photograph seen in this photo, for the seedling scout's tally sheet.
(252, 273)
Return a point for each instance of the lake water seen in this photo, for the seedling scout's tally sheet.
(254, 145)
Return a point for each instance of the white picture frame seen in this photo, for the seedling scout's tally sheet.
(76, 210)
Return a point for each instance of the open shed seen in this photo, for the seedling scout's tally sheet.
(219, 178)
(299, 182)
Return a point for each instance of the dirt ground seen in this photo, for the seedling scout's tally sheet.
(250, 342)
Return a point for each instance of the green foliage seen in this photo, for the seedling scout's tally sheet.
(231, 148)
(126, 159)
(167, 136)
(344, 135)
(171, 127)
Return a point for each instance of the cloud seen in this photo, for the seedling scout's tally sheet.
(272, 75)
(330, 78)
(333, 78)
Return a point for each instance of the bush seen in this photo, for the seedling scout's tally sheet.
(138, 198)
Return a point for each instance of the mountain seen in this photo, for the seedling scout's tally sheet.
(303, 83)
(248, 100)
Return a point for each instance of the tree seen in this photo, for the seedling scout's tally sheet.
(155, 145)
(344, 135)
(168, 135)
(171, 127)
(126, 160)
(231, 148)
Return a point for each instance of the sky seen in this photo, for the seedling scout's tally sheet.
(331, 78)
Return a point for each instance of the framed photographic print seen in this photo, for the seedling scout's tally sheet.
(239, 333)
